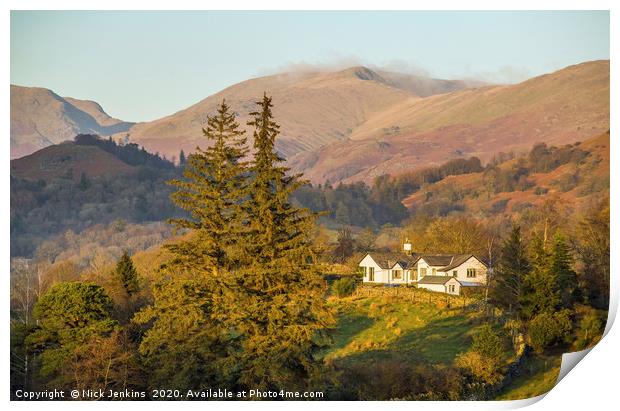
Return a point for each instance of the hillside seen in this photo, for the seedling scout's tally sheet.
(563, 107)
(59, 160)
(40, 118)
(76, 185)
(319, 107)
(314, 109)
(582, 179)
(353, 124)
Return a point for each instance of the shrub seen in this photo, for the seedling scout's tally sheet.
(590, 330)
(392, 379)
(344, 287)
(487, 343)
(483, 360)
(485, 369)
(541, 191)
(547, 329)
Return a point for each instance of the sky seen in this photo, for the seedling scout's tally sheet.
(142, 65)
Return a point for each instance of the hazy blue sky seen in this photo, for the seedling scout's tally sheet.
(144, 65)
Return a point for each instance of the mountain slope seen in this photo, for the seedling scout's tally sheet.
(68, 158)
(354, 124)
(314, 109)
(40, 118)
(566, 106)
(581, 180)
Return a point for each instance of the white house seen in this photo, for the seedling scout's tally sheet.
(446, 273)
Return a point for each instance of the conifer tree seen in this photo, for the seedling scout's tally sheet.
(513, 265)
(187, 339)
(212, 192)
(278, 308)
(541, 291)
(561, 263)
(182, 159)
(127, 274)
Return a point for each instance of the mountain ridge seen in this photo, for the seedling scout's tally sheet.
(40, 118)
(358, 123)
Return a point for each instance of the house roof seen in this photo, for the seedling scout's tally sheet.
(470, 284)
(389, 260)
(435, 279)
(444, 262)
(457, 260)
(437, 260)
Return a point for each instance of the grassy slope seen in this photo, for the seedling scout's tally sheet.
(371, 329)
(540, 373)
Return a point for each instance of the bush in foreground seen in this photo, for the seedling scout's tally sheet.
(547, 329)
(344, 287)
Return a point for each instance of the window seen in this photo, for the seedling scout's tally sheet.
(397, 275)
(370, 271)
(451, 288)
(455, 273)
(471, 273)
(414, 274)
(434, 271)
(422, 272)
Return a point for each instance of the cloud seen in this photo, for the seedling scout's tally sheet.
(340, 62)
(405, 67)
(503, 75)
(330, 64)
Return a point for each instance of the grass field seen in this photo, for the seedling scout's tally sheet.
(539, 375)
(373, 328)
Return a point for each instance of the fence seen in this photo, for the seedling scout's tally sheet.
(416, 295)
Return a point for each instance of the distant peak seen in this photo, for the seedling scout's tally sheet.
(363, 73)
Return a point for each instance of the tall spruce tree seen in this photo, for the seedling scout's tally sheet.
(561, 264)
(187, 339)
(212, 193)
(507, 287)
(278, 308)
(127, 274)
(591, 242)
(541, 292)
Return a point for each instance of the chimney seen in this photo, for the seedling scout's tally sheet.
(407, 248)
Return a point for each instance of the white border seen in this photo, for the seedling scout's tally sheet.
(593, 383)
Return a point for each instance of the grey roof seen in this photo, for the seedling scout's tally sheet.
(389, 260)
(435, 279)
(457, 260)
(437, 260)
(470, 284)
(445, 262)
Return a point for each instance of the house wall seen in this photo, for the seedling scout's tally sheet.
(440, 288)
(443, 288)
(412, 276)
(381, 276)
(481, 271)
(403, 275)
(457, 287)
(429, 268)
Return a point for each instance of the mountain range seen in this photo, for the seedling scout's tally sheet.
(40, 118)
(353, 124)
